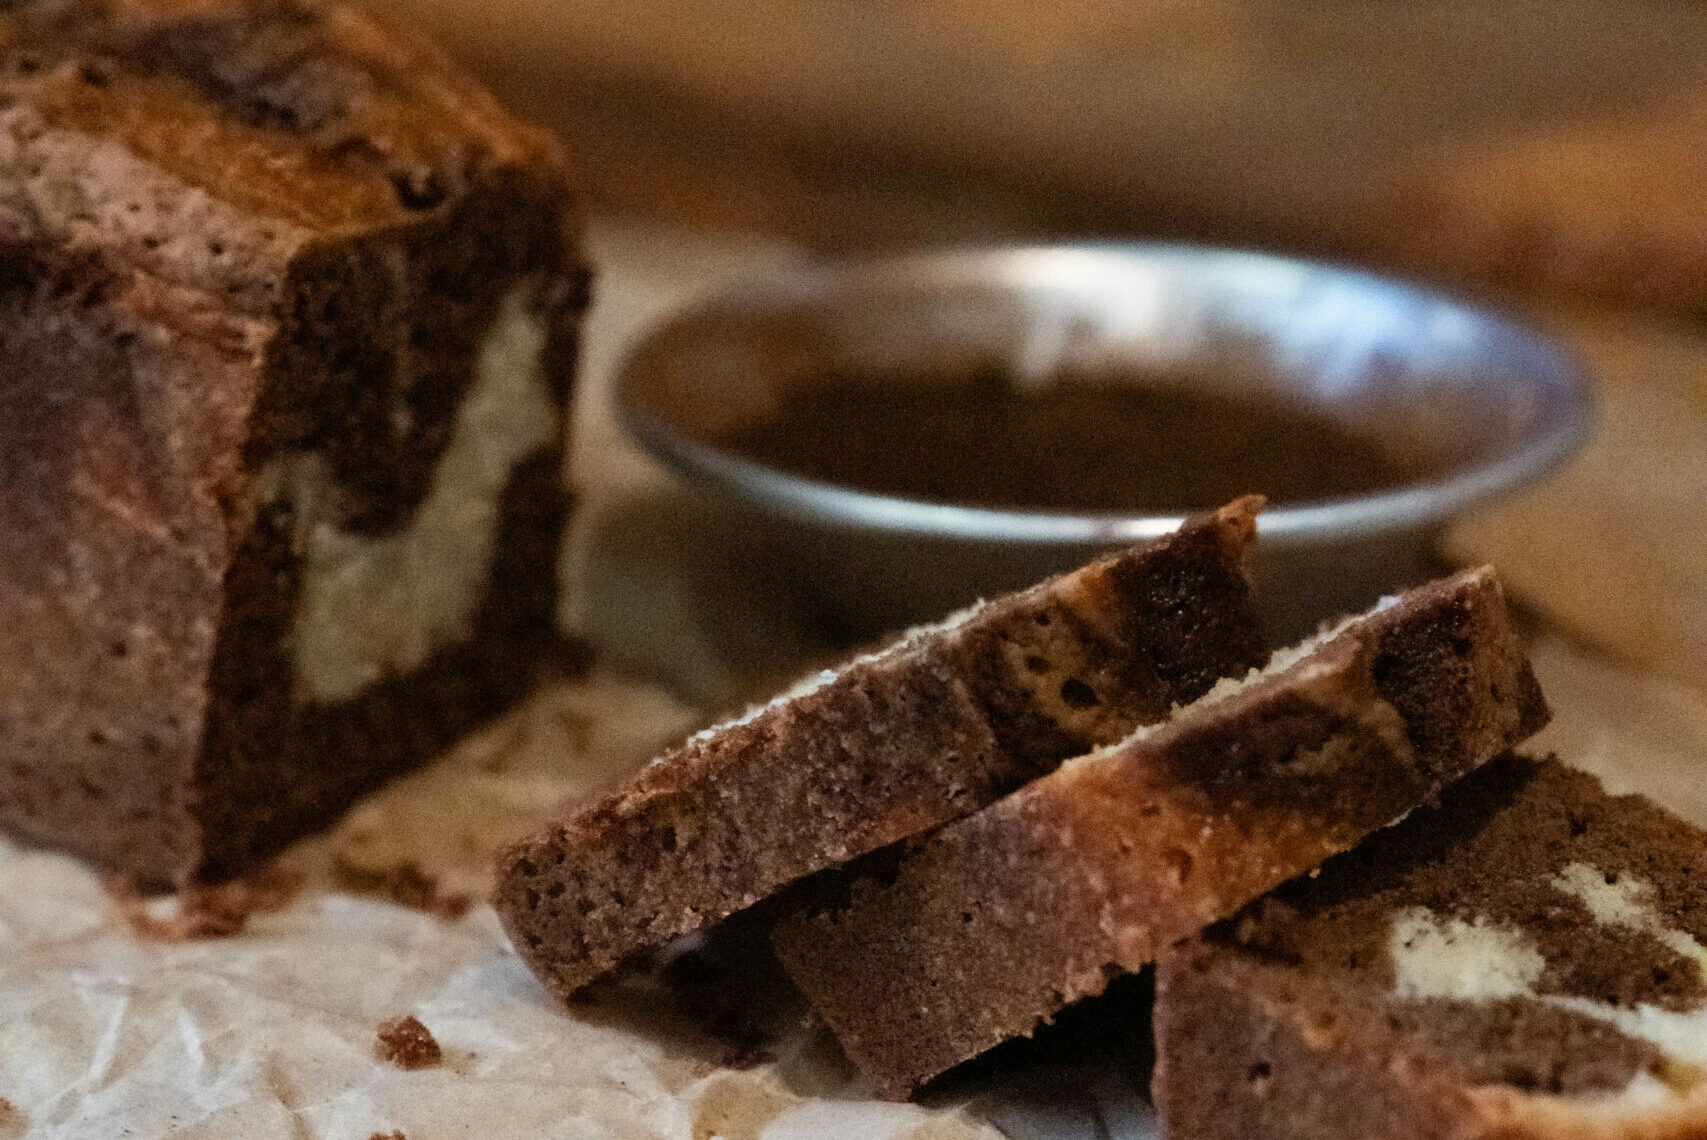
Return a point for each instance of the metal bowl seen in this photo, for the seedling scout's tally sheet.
(1494, 403)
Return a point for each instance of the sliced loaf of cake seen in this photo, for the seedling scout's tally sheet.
(289, 307)
(1526, 961)
(997, 921)
(943, 722)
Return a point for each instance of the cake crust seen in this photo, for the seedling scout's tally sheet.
(893, 744)
(997, 921)
(1523, 961)
(237, 238)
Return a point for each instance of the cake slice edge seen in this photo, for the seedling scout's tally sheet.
(997, 921)
(945, 720)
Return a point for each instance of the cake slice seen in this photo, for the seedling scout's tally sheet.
(939, 724)
(1527, 961)
(289, 309)
(995, 922)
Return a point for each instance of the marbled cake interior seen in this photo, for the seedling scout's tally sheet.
(373, 606)
(1528, 958)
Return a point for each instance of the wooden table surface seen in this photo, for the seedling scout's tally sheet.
(1529, 145)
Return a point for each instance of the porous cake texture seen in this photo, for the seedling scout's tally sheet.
(995, 922)
(289, 307)
(1526, 961)
(936, 726)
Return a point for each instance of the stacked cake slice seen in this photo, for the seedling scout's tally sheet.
(993, 817)
(937, 726)
(1528, 959)
(996, 921)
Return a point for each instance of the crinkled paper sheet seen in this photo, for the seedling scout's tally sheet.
(271, 1034)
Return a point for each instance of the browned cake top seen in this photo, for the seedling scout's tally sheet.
(314, 117)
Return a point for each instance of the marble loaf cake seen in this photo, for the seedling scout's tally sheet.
(894, 743)
(1527, 961)
(289, 310)
(996, 921)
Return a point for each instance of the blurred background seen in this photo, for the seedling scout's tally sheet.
(1548, 154)
(1542, 146)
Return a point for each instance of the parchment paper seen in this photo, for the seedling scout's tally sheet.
(109, 1027)
(107, 1030)
(105, 1033)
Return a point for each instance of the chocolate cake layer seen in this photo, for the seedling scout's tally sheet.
(1526, 960)
(895, 743)
(997, 921)
(290, 310)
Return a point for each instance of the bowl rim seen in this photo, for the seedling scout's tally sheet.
(1555, 369)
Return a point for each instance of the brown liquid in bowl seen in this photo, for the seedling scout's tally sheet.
(1073, 446)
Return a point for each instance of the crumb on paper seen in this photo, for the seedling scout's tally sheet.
(408, 1044)
(12, 1121)
(404, 884)
(738, 1107)
(222, 910)
(394, 1134)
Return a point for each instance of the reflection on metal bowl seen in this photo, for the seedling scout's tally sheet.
(1482, 403)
